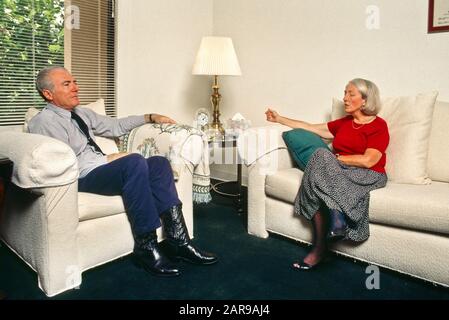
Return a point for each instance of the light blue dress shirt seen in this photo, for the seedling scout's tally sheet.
(57, 123)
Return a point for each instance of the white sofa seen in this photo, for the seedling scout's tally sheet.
(58, 231)
(409, 223)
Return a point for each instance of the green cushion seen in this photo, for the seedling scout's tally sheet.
(302, 144)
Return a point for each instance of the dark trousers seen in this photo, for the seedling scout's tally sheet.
(146, 186)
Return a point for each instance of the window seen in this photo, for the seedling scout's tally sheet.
(90, 50)
(33, 35)
(31, 38)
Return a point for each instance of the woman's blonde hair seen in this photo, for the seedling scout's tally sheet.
(370, 93)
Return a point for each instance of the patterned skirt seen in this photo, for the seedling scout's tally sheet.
(327, 182)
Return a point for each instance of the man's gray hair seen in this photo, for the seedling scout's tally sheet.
(43, 81)
(370, 93)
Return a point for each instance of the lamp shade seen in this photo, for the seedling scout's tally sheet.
(216, 56)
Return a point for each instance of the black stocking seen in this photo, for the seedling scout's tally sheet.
(319, 248)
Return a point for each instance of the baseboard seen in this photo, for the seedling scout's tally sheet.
(225, 175)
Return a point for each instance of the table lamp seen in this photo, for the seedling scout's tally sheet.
(216, 57)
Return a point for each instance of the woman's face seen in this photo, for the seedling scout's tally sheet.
(353, 99)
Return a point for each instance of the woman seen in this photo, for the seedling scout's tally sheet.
(335, 188)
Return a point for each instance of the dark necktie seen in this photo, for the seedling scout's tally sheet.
(83, 126)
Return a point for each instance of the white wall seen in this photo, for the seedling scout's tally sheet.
(294, 54)
(298, 54)
(157, 43)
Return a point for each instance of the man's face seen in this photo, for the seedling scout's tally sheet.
(65, 90)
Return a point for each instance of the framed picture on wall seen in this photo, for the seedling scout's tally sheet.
(438, 20)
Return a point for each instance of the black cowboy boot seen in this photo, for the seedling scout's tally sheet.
(149, 256)
(179, 245)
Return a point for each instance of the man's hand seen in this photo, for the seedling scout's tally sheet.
(114, 156)
(157, 118)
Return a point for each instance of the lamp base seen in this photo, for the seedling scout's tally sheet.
(214, 134)
(217, 126)
(215, 101)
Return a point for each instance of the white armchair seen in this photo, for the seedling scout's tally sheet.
(60, 232)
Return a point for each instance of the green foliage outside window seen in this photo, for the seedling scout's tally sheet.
(31, 38)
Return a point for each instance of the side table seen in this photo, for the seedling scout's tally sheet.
(216, 187)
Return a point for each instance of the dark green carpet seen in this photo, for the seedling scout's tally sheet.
(249, 268)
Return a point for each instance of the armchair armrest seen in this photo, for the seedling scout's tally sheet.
(39, 161)
(42, 230)
(40, 219)
(185, 147)
(172, 141)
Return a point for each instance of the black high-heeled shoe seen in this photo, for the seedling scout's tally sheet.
(337, 227)
(304, 266)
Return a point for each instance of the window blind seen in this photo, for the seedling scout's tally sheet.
(90, 50)
(33, 36)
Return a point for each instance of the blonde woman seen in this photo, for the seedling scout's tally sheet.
(334, 191)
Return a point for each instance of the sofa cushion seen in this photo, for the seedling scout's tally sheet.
(284, 185)
(409, 122)
(302, 144)
(418, 207)
(31, 112)
(437, 164)
(92, 206)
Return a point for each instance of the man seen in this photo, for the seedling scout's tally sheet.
(146, 185)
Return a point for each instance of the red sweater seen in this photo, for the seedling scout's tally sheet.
(351, 138)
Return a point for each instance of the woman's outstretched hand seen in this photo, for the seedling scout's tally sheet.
(272, 115)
